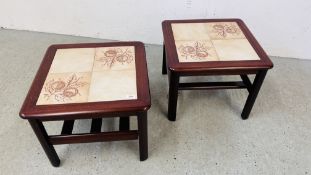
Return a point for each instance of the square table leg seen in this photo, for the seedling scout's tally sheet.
(143, 135)
(260, 76)
(43, 138)
(173, 95)
(164, 68)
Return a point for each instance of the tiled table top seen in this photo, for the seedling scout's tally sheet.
(80, 75)
(89, 78)
(211, 43)
(214, 41)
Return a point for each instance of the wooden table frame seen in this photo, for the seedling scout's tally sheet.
(37, 114)
(176, 69)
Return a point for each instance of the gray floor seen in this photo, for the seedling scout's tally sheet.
(208, 137)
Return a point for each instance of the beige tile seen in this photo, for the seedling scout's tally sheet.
(73, 60)
(60, 88)
(237, 49)
(114, 58)
(112, 85)
(190, 31)
(225, 30)
(195, 51)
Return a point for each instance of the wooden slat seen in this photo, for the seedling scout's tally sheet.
(124, 123)
(247, 82)
(94, 137)
(211, 85)
(96, 125)
(67, 127)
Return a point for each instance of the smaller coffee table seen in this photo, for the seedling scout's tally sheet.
(90, 81)
(212, 47)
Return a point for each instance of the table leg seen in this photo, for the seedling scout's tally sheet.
(260, 76)
(143, 135)
(164, 68)
(172, 95)
(124, 123)
(43, 138)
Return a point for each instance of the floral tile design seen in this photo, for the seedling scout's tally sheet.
(211, 41)
(190, 31)
(73, 60)
(195, 51)
(235, 50)
(113, 85)
(65, 88)
(114, 58)
(82, 75)
(225, 30)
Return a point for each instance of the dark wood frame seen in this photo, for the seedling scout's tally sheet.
(176, 69)
(37, 114)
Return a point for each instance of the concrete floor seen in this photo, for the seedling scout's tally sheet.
(208, 137)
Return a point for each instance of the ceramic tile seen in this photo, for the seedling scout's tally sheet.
(97, 74)
(234, 50)
(73, 60)
(195, 51)
(113, 85)
(60, 88)
(224, 30)
(114, 58)
(190, 31)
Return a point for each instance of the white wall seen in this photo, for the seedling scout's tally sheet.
(281, 26)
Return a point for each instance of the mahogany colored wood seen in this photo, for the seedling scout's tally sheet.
(68, 113)
(92, 137)
(164, 68)
(67, 127)
(124, 123)
(247, 82)
(173, 95)
(143, 135)
(45, 142)
(176, 69)
(87, 110)
(213, 67)
(96, 125)
(212, 85)
(253, 93)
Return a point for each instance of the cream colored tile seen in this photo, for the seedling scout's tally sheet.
(195, 51)
(233, 50)
(61, 88)
(225, 30)
(112, 85)
(114, 58)
(190, 31)
(73, 60)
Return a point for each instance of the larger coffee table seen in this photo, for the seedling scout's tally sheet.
(90, 81)
(212, 47)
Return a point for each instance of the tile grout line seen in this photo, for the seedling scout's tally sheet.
(91, 74)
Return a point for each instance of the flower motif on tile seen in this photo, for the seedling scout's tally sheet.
(227, 28)
(196, 51)
(63, 90)
(112, 55)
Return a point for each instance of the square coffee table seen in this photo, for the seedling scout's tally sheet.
(204, 47)
(90, 81)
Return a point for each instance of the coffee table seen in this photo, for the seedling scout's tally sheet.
(90, 81)
(204, 47)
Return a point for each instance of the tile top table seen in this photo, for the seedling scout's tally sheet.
(90, 81)
(212, 47)
(210, 44)
(89, 78)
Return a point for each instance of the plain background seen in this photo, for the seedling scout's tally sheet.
(282, 27)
